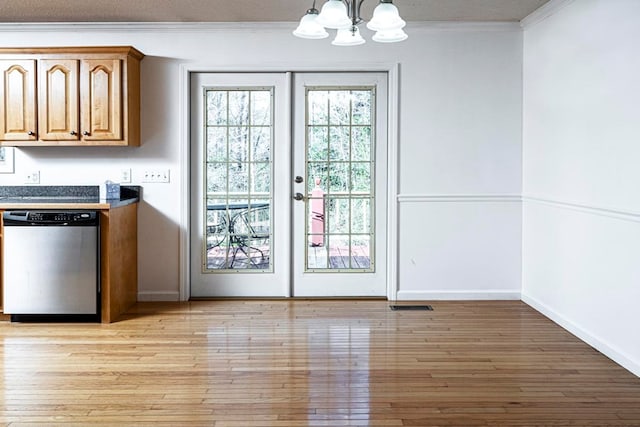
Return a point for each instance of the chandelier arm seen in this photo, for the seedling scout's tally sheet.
(349, 4)
(359, 7)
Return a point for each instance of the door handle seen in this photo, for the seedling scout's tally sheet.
(298, 196)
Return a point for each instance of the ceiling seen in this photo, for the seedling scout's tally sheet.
(16, 11)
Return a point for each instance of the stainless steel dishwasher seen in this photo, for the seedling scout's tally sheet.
(52, 265)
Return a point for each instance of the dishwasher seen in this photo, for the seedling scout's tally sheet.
(51, 265)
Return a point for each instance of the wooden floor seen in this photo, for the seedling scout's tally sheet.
(311, 363)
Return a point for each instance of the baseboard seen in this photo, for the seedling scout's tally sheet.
(457, 295)
(158, 296)
(602, 346)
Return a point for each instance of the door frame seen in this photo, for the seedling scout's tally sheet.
(393, 73)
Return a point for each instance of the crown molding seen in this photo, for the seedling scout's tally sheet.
(543, 12)
(139, 26)
(230, 27)
(443, 26)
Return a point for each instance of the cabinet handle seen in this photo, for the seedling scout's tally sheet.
(86, 133)
(73, 132)
(31, 133)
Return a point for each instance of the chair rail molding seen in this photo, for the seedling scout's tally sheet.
(607, 211)
(616, 213)
(458, 198)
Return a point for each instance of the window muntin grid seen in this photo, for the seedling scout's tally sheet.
(238, 229)
(340, 161)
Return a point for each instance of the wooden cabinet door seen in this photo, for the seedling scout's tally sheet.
(58, 100)
(1, 263)
(18, 100)
(101, 101)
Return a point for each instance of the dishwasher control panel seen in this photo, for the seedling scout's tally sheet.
(50, 218)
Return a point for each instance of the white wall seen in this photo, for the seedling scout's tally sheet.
(581, 216)
(460, 115)
(460, 168)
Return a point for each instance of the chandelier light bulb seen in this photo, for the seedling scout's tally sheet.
(348, 37)
(391, 36)
(309, 27)
(334, 15)
(385, 18)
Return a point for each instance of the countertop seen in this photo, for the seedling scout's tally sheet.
(64, 197)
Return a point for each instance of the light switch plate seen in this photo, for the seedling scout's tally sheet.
(156, 175)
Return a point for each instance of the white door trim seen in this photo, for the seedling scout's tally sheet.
(392, 70)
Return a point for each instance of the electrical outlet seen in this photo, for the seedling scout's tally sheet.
(156, 175)
(32, 177)
(125, 176)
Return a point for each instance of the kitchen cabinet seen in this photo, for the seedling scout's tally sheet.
(119, 260)
(85, 96)
(18, 96)
(1, 264)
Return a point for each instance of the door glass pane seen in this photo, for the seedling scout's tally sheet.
(216, 144)
(340, 142)
(339, 167)
(317, 143)
(317, 106)
(360, 215)
(238, 143)
(361, 178)
(238, 229)
(261, 108)
(261, 144)
(361, 146)
(339, 178)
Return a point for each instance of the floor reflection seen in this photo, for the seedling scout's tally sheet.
(318, 366)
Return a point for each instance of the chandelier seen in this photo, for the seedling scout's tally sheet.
(344, 16)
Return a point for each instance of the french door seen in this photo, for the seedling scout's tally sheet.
(288, 184)
(240, 200)
(339, 226)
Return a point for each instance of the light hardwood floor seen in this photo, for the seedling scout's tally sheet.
(312, 363)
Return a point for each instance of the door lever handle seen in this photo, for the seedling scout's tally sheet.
(298, 196)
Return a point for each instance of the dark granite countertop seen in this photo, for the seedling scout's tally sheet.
(64, 197)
